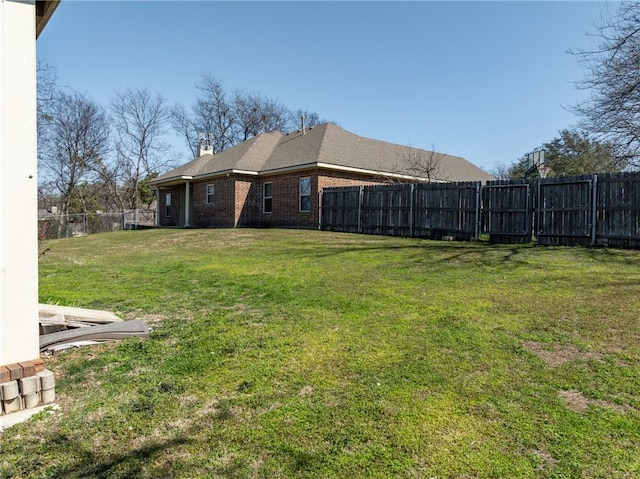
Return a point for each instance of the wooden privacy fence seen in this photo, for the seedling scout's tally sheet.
(581, 210)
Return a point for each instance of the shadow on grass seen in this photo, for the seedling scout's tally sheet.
(609, 255)
(164, 458)
(429, 251)
(130, 464)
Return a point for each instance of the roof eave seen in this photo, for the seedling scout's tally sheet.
(230, 171)
(177, 180)
(44, 10)
(347, 169)
(174, 180)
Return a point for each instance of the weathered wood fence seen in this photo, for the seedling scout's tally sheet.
(581, 210)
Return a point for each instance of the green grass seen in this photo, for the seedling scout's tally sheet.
(283, 353)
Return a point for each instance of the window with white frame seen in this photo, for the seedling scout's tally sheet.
(305, 194)
(211, 193)
(267, 198)
(167, 204)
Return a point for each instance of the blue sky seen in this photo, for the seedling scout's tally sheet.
(489, 81)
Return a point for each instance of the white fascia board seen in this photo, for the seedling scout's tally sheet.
(175, 180)
(226, 173)
(348, 169)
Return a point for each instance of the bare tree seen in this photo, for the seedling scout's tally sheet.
(213, 114)
(275, 116)
(74, 141)
(47, 92)
(613, 110)
(258, 114)
(420, 165)
(502, 171)
(140, 120)
(223, 121)
(248, 109)
(183, 124)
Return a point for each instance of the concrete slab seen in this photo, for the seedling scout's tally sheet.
(77, 314)
(14, 418)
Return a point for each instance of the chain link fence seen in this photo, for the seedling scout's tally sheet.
(81, 224)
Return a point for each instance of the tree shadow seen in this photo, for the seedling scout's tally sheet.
(427, 250)
(129, 464)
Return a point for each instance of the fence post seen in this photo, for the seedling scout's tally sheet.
(411, 199)
(360, 209)
(478, 217)
(320, 199)
(594, 199)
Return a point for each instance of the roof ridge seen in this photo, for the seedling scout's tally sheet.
(272, 146)
(323, 140)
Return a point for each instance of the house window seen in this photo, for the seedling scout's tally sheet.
(211, 190)
(305, 194)
(267, 198)
(167, 204)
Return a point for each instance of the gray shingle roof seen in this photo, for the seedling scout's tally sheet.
(325, 145)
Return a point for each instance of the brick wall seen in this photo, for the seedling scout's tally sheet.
(239, 200)
(220, 213)
(286, 196)
(246, 202)
(174, 217)
(329, 179)
(286, 201)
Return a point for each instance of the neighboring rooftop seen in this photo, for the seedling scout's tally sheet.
(325, 146)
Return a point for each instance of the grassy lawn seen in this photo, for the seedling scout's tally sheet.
(283, 353)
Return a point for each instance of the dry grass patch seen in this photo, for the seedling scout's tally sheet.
(556, 354)
(577, 402)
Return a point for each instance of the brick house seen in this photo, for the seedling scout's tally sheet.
(275, 179)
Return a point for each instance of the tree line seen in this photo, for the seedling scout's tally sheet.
(101, 158)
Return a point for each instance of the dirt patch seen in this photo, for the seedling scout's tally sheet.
(556, 354)
(305, 391)
(574, 400)
(546, 460)
(577, 402)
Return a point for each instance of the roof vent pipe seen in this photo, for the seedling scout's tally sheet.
(303, 126)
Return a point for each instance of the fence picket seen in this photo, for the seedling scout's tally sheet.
(582, 210)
